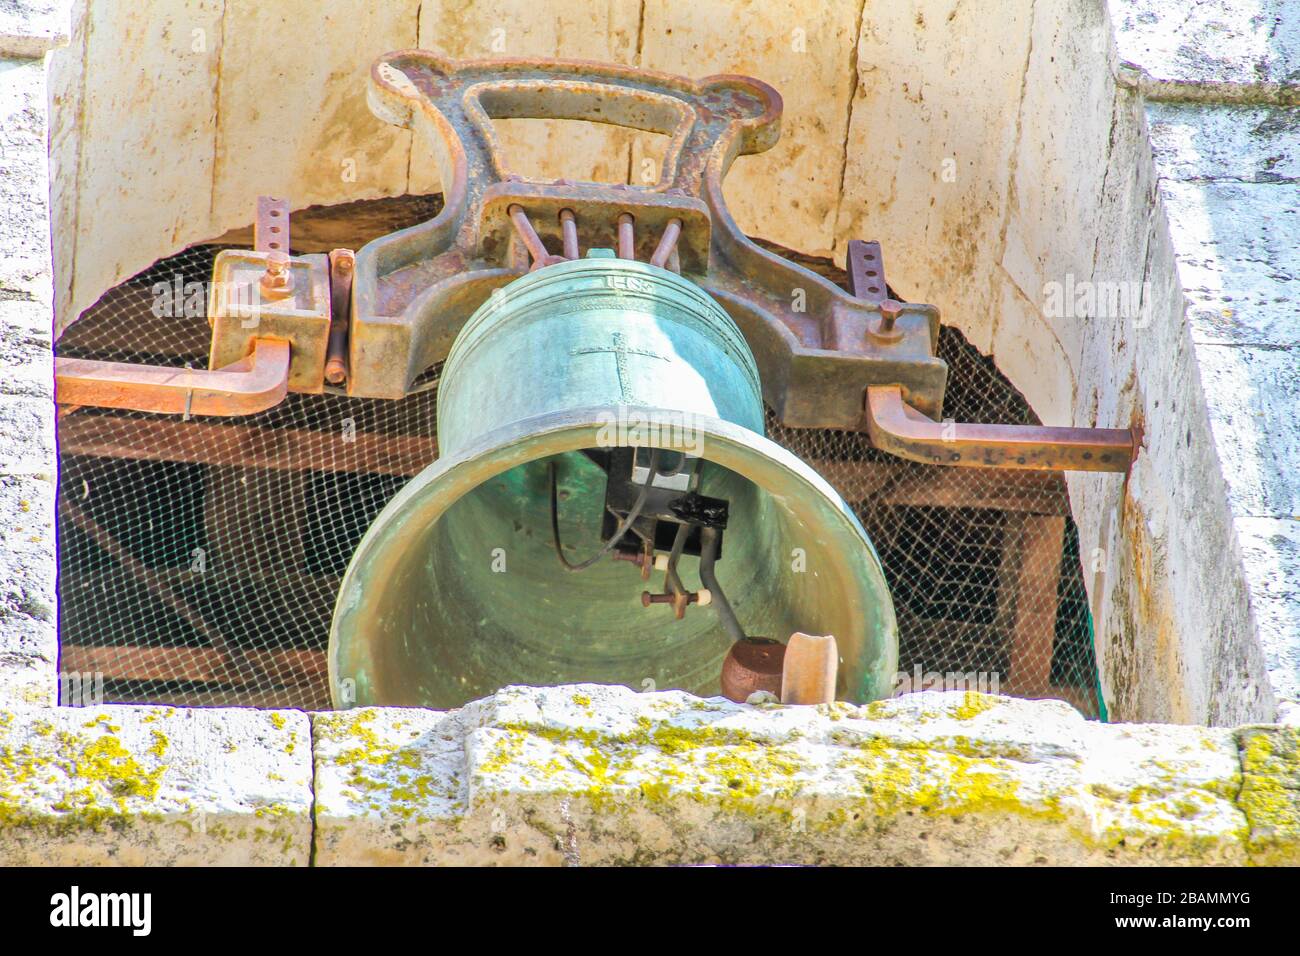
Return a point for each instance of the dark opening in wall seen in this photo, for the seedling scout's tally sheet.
(199, 560)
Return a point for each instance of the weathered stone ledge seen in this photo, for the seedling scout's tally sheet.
(597, 775)
(154, 785)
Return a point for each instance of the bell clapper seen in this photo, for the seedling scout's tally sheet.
(667, 500)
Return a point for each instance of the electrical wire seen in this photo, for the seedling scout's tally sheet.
(632, 515)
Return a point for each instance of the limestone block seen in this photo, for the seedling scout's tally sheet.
(935, 118)
(1202, 141)
(790, 193)
(1252, 393)
(154, 785)
(1214, 429)
(26, 435)
(294, 119)
(1270, 792)
(583, 30)
(1029, 351)
(24, 186)
(1167, 788)
(1238, 248)
(30, 28)
(65, 73)
(27, 561)
(1271, 555)
(1068, 117)
(26, 680)
(390, 786)
(591, 774)
(148, 137)
(1243, 49)
(26, 353)
(29, 649)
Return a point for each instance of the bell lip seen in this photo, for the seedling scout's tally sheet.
(503, 448)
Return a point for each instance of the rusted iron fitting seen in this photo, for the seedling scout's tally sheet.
(569, 231)
(754, 664)
(342, 266)
(642, 560)
(626, 236)
(886, 329)
(667, 243)
(277, 280)
(679, 601)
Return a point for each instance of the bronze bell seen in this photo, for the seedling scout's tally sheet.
(595, 409)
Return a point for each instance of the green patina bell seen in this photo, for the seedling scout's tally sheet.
(552, 403)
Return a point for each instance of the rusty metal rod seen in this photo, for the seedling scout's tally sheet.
(667, 243)
(898, 428)
(626, 236)
(342, 268)
(569, 230)
(528, 235)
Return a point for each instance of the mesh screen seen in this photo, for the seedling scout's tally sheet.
(199, 560)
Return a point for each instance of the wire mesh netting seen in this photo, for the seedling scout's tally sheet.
(199, 560)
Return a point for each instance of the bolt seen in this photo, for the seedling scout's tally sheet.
(678, 601)
(885, 331)
(642, 560)
(889, 313)
(277, 281)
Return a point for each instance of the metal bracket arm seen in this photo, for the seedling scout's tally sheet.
(253, 384)
(898, 428)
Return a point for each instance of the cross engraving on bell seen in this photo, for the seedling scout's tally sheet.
(621, 350)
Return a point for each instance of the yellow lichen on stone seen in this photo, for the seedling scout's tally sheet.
(102, 776)
(973, 705)
(1270, 793)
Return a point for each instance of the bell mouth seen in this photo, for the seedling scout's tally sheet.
(456, 590)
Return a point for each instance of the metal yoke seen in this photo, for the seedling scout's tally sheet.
(414, 289)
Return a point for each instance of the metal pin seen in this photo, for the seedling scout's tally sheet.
(626, 236)
(528, 235)
(667, 243)
(569, 229)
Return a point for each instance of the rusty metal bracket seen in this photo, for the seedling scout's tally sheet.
(414, 289)
(895, 425)
(898, 428)
(270, 315)
(266, 292)
(253, 384)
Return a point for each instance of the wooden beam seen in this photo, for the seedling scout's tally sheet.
(291, 698)
(1027, 603)
(895, 483)
(285, 449)
(289, 667)
(291, 449)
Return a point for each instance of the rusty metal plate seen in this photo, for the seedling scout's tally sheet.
(240, 311)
